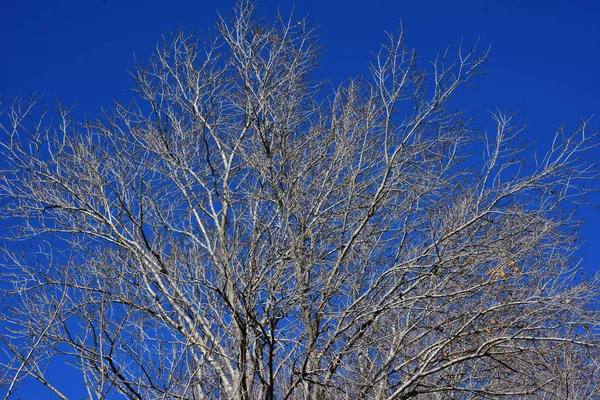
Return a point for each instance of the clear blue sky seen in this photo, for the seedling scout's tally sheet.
(545, 54)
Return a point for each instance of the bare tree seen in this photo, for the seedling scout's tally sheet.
(241, 231)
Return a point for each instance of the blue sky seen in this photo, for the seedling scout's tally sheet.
(544, 53)
(544, 56)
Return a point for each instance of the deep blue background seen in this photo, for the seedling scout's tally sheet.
(544, 57)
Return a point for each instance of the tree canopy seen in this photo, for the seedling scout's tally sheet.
(242, 231)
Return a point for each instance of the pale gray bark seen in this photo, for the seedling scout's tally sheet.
(243, 232)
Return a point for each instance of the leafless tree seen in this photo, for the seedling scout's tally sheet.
(241, 231)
